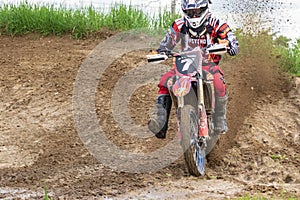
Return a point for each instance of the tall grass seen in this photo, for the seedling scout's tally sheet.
(125, 18)
(164, 20)
(289, 55)
(46, 20)
(25, 18)
(264, 45)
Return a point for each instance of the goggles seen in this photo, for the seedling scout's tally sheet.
(193, 13)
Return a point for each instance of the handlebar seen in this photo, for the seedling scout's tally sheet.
(217, 49)
(163, 55)
(157, 58)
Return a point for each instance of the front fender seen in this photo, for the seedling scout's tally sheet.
(182, 86)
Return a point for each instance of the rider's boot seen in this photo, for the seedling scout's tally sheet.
(159, 125)
(220, 115)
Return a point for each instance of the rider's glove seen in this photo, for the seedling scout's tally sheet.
(231, 51)
(163, 51)
(226, 42)
(154, 52)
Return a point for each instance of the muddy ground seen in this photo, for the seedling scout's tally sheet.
(39, 146)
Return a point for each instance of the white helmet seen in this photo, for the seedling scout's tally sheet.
(195, 12)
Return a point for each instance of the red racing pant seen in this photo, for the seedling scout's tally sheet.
(219, 81)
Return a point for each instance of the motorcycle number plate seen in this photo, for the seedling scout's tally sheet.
(187, 64)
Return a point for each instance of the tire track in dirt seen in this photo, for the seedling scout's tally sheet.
(245, 156)
(253, 82)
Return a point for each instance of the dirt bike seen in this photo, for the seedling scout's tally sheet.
(192, 92)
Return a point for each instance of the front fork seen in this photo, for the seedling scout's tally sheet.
(203, 125)
(178, 101)
(203, 131)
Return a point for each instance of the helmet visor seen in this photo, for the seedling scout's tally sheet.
(194, 13)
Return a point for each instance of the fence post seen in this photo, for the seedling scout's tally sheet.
(173, 7)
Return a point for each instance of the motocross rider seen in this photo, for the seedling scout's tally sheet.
(192, 30)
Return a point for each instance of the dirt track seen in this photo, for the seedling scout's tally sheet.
(39, 145)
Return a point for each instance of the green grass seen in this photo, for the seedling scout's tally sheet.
(278, 157)
(289, 56)
(265, 198)
(46, 20)
(277, 50)
(282, 196)
(46, 197)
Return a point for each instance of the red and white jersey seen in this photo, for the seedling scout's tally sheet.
(180, 32)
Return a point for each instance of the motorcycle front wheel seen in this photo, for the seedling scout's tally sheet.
(194, 154)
